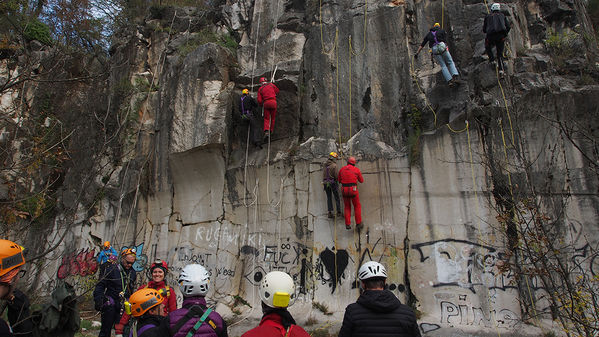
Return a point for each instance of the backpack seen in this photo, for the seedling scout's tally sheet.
(438, 47)
(59, 317)
(195, 311)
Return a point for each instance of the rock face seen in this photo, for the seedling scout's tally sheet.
(440, 164)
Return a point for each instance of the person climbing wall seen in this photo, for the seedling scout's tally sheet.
(267, 98)
(437, 41)
(349, 175)
(496, 27)
(247, 110)
(329, 181)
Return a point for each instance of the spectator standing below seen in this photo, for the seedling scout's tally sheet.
(267, 97)
(247, 110)
(158, 271)
(146, 306)
(437, 41)
(349, 176)
(116, 284)
(329, 180)
(377, 312)
(19, 315)
(194, 318)
(276, 291)
(496, 27)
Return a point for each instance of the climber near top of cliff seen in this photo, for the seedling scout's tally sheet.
(329, 181)
(437, 41)
(377, 312)
(267, 98)
(247, 110)
(496, 27)
(105, 256)
(277, 289)
(349, 175)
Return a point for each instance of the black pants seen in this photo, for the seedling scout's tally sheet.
(332, 188)
(254, 123)
(110, 315)
(497, 40)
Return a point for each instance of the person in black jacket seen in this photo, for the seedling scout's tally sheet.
(377, 312)
(117, 283)
(496, 27)
(437, 41)
(247, 110)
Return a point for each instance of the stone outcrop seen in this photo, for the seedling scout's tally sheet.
(438, 162)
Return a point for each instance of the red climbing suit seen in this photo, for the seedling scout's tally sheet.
(349, 175)
(267, 97)
(271, 326)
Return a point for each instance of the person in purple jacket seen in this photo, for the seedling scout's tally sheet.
(195, 317)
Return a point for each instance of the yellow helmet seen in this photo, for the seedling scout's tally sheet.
(129, 251)
(436, 24)
(333, 155)
(11, 256)
(143, 300)
(245, 91)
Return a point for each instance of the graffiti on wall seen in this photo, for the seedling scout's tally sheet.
(82, 263)
(334, 263)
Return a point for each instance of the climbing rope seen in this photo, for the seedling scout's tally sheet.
(247, 143)
(351, 49)
(121, 194)
(322, 47)
(272, 62)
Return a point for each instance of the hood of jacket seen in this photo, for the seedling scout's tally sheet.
(379, 300)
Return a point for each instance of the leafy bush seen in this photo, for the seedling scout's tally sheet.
(36, 30)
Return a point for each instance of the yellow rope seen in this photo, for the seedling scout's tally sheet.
(337, 80)
(322, 48)
(351, 49)
(442, 12)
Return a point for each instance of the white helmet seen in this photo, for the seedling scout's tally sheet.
(194, 280)
(495, 7)
(371, 269)
(277, 289)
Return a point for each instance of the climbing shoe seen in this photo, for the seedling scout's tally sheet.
(501, 73)
(359, 226)
(331, 215)
(348, 227)
(339, 214)
(451, 83)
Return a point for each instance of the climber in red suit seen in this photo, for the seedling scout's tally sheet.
(349, 175)
(267, 97)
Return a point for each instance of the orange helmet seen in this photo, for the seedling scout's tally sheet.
(11, 256)
(129, 251)
(143, 300)
(333, 155)
(106, 244)
(351, 160)
(245, 92)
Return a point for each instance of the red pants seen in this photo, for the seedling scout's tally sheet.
(347, 201)
(270, 111)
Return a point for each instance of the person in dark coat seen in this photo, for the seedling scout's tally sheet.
(194, 283)
(276, 292)
(377, 312)
(331, 187)
(19, 315)
(248, 113)
(146, 306)
(117, 284)
(437, 41)
(496, 27)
